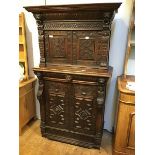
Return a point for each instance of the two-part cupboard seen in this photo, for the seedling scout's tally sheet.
(74, 43)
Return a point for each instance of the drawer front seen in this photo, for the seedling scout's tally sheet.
(23, 90)
(56, 104)
(56, 88)
(84, 91)
(127, 98)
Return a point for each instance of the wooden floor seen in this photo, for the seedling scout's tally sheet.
(32, 143)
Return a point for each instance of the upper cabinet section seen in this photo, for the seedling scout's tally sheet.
(77, 34)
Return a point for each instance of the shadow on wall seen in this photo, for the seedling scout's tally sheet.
(116, 60)
(30, 51)
(31, 64)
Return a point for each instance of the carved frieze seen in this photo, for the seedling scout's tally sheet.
(50, 25)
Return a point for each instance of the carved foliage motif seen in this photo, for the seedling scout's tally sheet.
(41, 86)
(101, 92)
(39, 20)
(100, 105)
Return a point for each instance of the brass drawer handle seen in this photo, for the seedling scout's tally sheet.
(83, 93)
(56, 90)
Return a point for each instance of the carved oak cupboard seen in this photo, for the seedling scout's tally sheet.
(74, 43)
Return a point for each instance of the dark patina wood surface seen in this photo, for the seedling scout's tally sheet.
(74, 69)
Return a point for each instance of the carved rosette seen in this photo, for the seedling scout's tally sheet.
(100, 107)
(39, 20)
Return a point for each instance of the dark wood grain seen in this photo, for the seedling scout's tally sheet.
(74, 7)
(74, 70)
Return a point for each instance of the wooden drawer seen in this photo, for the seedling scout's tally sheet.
(25, 89)
(56, 87)
(127, 98)
(85, 90)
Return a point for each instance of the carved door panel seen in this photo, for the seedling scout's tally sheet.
(58, 47)
(131, 131)
(91, 48)
(84, 108)
(56, 104)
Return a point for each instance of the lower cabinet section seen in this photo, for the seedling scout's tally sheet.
(72, 108)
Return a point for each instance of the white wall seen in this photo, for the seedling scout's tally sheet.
(117, 54)
(117, 50)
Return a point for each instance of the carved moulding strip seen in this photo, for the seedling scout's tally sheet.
(40, 97)
(39, 21)
(89, 15)
(74, 25)
(100, 107)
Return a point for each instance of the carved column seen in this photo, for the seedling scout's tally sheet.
(100, 108)
(41, 98)
(39, 20)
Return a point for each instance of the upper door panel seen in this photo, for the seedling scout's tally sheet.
(58, 47)
(90, 48)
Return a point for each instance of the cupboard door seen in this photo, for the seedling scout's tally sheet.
(84, 108)
(125, 129)
(56, 104)
(58, 47)
(91, 48)
(22, 111)
(30, 104)
(131, 131)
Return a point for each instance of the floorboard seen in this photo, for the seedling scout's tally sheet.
(32, 143)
